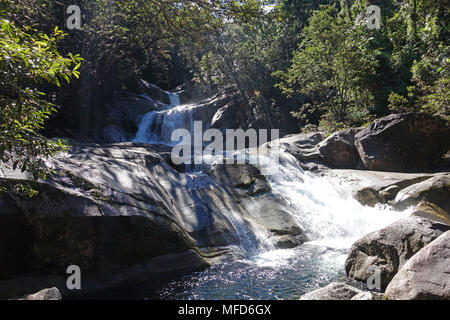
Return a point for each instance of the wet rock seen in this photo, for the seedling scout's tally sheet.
(306, 140)
(388, 249)
(242, 176)
(426, 276)
(368, 197)
(333, 291)
(403, 143)
(120, 121)
(225, 117)
(215, 112)
(389, 193)
(288, 241)
(268, 210)
(153, 91)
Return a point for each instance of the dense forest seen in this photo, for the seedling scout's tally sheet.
(314, 60)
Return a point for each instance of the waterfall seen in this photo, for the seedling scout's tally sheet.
(174, 98)
(157, 126)
(324, 206)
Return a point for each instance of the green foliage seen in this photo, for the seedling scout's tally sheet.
(243, 56)
(350, 74)
(138, 34)
(332, 67)
(28, 61)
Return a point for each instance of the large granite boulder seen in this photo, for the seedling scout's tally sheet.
(404, 143)
(388, 249)
(305, 140)
(435, 190)
(368, 196)
(270, 212)
(339, 150)
(119, 121)
(107, 213)
(426, 275)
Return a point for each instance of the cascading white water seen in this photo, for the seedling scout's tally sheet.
(158, 126)
(174, 98)
(332, 219)
(324, 206)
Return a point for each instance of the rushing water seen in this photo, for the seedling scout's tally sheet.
(323, 206)
(333, 221)
(157, 126)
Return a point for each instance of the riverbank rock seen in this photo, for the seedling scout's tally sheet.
(339, 150)
(389, 193)
(119, 121)
(431, 211)
(214, 112)
(305, 140)
(426, 276)
(372, 187)
(333, 291)
(388, 249)
(404, 143)
(270, 213)
(45, 294)
(435, 190)
(368, 197)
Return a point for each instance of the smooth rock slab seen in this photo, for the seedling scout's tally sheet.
(388, 249)
(426, 275)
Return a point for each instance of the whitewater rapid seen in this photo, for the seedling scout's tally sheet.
(158, 126)
(323, 206)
